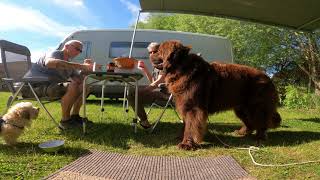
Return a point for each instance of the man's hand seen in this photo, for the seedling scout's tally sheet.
(89, 66)
(145, 70)
(141, 66)
(88, 61)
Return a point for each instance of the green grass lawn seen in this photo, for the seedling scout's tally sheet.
(297, 140)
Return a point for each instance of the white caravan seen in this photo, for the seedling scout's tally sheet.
(104, 45)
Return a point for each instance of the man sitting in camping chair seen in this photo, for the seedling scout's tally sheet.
(150, 93)
(58, 68)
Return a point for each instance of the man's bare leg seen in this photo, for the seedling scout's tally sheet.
(68, 100)
(78, 103)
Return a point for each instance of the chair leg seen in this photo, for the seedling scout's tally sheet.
(125, 100)
(174, 109)
(10, 99)
(153, 104)
(163, 110)
(43, 107)
(13, 97)
(102, 102)
(150, 109)
(9, 102)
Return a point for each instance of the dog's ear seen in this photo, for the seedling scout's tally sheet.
(23, 113)
(166, 50)
(171, 52)
(173, 49)
(180, 52)
(189, 46)
(165, 53)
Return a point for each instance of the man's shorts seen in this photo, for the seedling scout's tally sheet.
(51, 91)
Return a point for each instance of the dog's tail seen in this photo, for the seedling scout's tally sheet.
(275, 121)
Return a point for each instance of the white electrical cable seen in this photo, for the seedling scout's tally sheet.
(253, 148)
(275, 165)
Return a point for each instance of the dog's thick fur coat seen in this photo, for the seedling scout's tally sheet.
(200, 89)
(16, 119)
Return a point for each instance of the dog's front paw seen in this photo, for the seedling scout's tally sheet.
(243, 131)
(239, 133)
(261, 136)
(11, 143)
(189, 145)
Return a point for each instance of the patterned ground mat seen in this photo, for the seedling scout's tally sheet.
(104, 165)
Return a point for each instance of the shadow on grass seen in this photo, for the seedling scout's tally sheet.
(120, 135)
(27, 148)
(316, 120)
(275, 137)
(106, 102)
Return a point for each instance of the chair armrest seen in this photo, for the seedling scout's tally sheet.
(27, 79)
(35, 79)
(8, 79)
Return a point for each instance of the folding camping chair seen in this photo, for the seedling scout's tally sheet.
(16, 62)
(169, 102)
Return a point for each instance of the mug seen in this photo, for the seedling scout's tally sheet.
(110, 67)
(140, 64)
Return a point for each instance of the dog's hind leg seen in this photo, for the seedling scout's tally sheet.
(195, 128)
(181, 132)
(261, 115)
(275, 121)
(243, 131)
(261, 134)
(243, 115)
(10, 138)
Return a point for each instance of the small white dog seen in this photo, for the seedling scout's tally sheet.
(15, 120)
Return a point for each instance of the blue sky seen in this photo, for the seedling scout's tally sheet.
(42, 24)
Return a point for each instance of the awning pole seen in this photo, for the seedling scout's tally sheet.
(134, 33)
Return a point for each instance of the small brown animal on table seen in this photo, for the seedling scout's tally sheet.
(15, 120)
(201, 88)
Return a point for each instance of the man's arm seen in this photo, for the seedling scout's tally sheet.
(155, 83)
(145, 70)
(65, 65)
(148, 74)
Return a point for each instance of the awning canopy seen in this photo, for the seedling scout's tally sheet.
(297, 14)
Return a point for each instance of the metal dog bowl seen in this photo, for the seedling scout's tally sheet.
(52, 145)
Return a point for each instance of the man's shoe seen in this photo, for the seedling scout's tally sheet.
(78, 118)
(67, 124)
(145, 124)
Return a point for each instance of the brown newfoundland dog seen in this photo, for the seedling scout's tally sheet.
(200, 89)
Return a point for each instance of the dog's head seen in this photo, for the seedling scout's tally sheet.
(170, 53)
(156, 62)
(22, 112)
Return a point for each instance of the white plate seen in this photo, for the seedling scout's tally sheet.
(52, 145)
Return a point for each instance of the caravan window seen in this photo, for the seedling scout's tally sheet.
(122, 49)
(86, 51)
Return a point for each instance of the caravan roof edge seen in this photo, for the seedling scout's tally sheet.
(141, 30)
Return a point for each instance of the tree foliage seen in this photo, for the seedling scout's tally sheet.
(282, 52)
